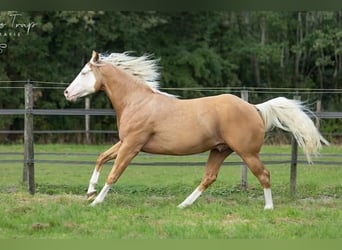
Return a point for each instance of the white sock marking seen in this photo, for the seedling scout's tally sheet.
(93, 181)
(268, 199)
(101, 195)
(190, 199)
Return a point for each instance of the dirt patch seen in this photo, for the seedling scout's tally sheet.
(40, 226)
(322, 201)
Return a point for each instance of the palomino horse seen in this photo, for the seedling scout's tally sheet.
(156, 122)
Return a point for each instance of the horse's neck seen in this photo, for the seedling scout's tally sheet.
(124, 91)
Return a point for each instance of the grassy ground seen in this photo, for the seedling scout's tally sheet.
(142, 205)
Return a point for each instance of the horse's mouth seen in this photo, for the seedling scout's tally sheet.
(71, 98)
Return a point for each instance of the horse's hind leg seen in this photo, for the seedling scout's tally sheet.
(212, 168)
(255, 165)
(106, 156)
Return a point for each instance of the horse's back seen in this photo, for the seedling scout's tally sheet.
(228, 108)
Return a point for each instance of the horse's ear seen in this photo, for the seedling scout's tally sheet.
(94, 57)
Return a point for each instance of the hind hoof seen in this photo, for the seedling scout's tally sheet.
(91, 196)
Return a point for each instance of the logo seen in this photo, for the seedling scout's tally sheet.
(3, 46)
(13, 25)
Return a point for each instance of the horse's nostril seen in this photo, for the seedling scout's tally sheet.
(65, 92)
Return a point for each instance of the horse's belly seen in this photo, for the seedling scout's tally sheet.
(179, 144)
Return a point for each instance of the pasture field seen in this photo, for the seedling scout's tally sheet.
(143, 204)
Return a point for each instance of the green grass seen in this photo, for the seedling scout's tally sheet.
(142, 205)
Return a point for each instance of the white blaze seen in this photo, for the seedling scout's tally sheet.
(82, 85)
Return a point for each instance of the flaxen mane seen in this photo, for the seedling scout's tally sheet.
(144, 67)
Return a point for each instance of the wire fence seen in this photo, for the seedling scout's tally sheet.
(87, 112)
(88, 159)
(309, 94)
(30, 112)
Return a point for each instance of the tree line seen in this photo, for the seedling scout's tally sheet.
(256, 49)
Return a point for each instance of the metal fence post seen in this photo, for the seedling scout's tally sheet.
(244, 96)
(318, 110)
(294, 156)
(87, 120)
(28, 171)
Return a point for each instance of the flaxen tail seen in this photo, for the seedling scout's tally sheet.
(290, 115)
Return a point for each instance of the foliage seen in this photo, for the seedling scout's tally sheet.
(197, 49)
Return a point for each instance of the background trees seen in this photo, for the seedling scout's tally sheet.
(197, 49)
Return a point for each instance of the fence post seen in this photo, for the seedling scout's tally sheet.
(87, 120)
(244, 96)
(318, 109)
(28, 171)
(294, 156)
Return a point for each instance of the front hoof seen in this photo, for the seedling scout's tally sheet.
(91, 196)
(268, 207)
(182, 206)
(92, 204)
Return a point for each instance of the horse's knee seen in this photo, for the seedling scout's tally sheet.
(100, 159)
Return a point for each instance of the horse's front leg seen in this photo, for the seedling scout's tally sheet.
(125, 155)
(106, 156)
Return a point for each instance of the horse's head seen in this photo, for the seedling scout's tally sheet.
(85, 82)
